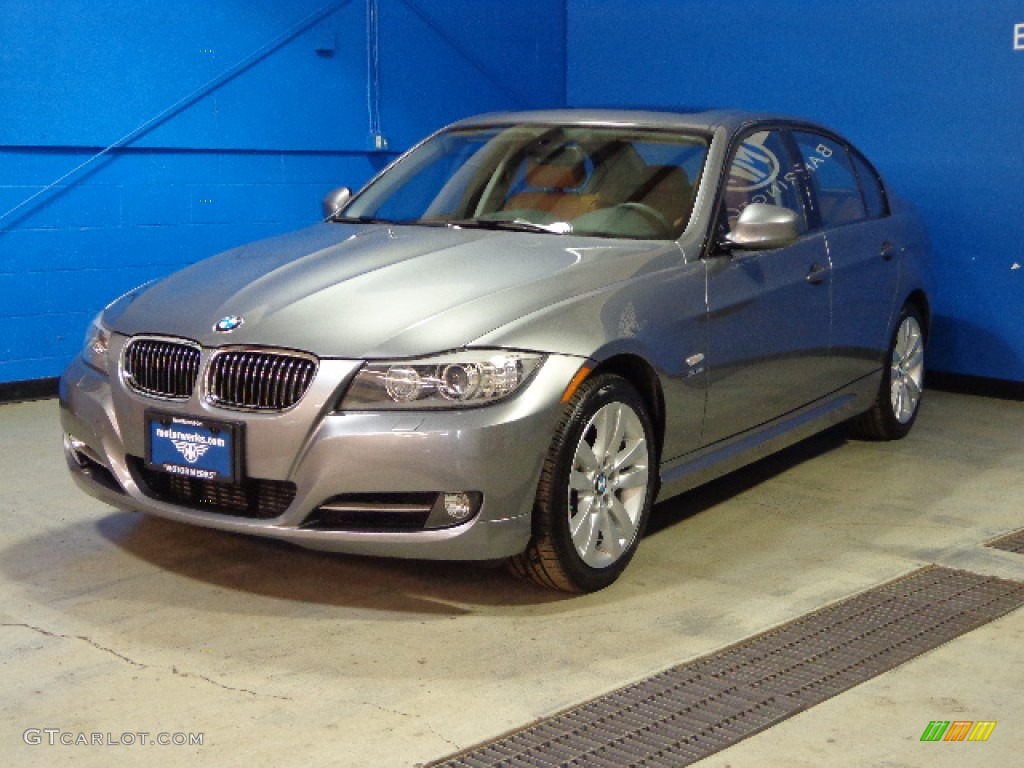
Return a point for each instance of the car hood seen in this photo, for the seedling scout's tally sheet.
(372, 291)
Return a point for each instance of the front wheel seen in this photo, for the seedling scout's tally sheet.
(595, 492)
(899, 396)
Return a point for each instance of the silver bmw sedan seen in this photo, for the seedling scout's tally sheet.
(514, 340)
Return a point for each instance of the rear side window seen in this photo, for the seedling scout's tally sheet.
(871, 186)
(835, 193)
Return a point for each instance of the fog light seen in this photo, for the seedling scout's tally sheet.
(454, 508)
(81, 453)
(75, 447)
(458, 506)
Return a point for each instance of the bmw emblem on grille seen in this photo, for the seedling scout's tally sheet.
(228, 324)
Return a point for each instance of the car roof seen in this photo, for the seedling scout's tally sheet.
(690, 119)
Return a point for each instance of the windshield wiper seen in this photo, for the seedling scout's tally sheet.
(510, 225)
(361, 220)
(507, 225)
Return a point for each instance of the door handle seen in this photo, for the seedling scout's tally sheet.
(816, 274)
(888, 251)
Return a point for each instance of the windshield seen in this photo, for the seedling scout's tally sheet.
(589, 180)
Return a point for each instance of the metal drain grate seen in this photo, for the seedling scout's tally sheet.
(694, 710)
(1013, 542)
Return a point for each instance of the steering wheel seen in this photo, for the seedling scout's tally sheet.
(652, 215)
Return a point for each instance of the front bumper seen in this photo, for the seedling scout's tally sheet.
(495, 451)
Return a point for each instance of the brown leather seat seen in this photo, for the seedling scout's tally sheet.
(553, 183)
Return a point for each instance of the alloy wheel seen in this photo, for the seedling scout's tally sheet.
(907, 370)
(608, 485)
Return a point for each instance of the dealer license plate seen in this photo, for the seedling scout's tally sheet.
(191, 447)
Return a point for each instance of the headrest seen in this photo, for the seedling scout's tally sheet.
(561, 168)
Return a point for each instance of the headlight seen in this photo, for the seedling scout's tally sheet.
(97, 341)
(458, 380)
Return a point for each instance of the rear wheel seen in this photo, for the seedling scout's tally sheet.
(899, 396)
(595, 492)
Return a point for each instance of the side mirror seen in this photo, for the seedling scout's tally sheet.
(762, 227)
(335, 200)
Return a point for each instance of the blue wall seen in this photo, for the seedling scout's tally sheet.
(229, 122)
(933, 93)
(231, 119)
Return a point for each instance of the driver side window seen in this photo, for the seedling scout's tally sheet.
(763, 171)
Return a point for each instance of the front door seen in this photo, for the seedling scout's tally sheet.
(768, 311)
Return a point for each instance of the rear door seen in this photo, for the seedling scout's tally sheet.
(768, 311)
(847, 204)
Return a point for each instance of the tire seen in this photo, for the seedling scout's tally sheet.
(595, 492)
(899, 397)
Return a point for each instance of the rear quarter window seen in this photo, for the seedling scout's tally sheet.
(871, 186)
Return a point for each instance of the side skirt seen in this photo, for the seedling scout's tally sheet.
(712, 461)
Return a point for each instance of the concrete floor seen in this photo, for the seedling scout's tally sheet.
(117, 623)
